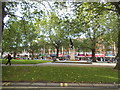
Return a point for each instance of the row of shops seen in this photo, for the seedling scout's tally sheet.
(78, 56)
(99, 57)
(81, 57)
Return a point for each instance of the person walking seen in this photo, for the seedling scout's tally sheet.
(9, 58)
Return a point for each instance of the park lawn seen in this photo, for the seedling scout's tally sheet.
(60, 74)
(14, 61)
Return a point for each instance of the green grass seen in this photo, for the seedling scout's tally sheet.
(60, 74)
(14, 61)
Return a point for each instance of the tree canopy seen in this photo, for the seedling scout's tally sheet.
(60, 24)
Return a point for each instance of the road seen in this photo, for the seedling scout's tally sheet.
(57, 88)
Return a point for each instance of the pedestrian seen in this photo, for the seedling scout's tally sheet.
(42, 57)
(54, 59)
(9, 58)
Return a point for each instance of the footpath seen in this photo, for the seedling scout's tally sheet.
(26, 85)
(66, 64)
(12, 85)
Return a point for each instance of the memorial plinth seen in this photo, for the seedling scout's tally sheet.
(72, 54)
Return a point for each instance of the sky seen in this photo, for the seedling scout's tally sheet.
(64, 11)
(67, 11)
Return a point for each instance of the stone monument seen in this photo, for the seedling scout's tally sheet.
(72, 54)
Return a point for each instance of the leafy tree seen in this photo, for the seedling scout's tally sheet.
(107, 7)
(11, 41)
(82, 45)
(92, 18)
(94, 13)
(33, 48)
(110, 38)
(117, 9)
(56, 35)
(28, 12)
(29, 37)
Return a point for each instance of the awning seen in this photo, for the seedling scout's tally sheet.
(60, 55)
(99, 55)
(96, 55)
(88, 55)
(81, 55)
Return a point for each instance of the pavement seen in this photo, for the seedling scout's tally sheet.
(39, 85)
(65, 64)
(59, 86)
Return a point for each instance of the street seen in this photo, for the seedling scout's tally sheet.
(58, 88)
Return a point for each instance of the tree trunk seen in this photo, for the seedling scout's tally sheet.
(117, 6)
(93, 55)
(0, 29)
(14, 55)
(93, 50)
(118, 63)
(118, 54)
(2, 54)
(71, 44)
(32, 57)
(3, 14)
(57, 53)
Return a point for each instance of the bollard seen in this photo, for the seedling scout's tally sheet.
(61, 84)
(65, 84)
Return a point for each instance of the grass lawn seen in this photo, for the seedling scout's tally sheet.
(60, 74)
(14, 61)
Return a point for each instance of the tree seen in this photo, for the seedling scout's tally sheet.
(24, 23)
(108, 7)
(110, 39)
(82, 44)
(54, 32)
(70, 27)
(12, 38)
(0, 28)
(93, 22)
(29, 38)
(117, 6)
